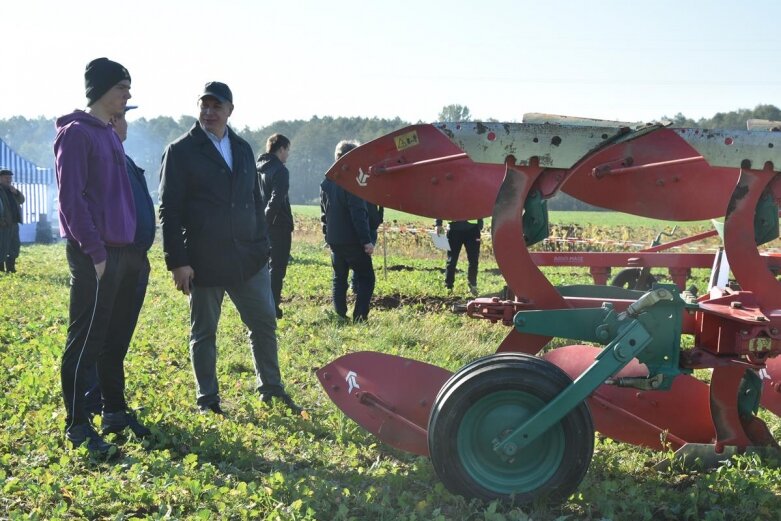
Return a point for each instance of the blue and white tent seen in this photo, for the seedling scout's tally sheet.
(38, 186)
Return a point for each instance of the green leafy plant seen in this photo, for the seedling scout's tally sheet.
(263, 463)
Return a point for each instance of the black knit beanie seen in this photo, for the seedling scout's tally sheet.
(102, 74)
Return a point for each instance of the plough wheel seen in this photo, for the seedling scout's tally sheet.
(491, 397)
(633, 278)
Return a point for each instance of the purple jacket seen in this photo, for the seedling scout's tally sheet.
(95, 196)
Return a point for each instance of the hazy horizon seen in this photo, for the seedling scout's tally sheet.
(607, 60)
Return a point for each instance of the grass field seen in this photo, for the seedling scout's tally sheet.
(262, 463)
(605, 219)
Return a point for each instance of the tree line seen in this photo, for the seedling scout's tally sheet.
(312, 151)
(313, 141)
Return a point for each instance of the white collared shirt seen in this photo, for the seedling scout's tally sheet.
(223, 146)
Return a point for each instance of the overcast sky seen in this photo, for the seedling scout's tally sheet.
(627, 60)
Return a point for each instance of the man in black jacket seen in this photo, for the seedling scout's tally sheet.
(347, 231)
(215, 242)
(10, 219)
(466, 234)
(274, 185)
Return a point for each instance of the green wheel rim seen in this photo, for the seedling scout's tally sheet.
(489, 417)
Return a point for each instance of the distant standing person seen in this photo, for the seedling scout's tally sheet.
(345, 220)
(11, 199)
(98, 219)
(145, 236)
(274, 186)
(466, 234)
(216, 242)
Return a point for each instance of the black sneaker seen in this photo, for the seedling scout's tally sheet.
(83, 432)
(115, 422)
(211, 407)
(283, 397)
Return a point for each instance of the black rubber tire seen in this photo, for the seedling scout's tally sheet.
(519, 372)
(628, 278)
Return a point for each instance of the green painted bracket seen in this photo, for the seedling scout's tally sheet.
(749, 394)
(659, 310)
(631, 340)
(766, 220)
(586, 324)
(535, 218)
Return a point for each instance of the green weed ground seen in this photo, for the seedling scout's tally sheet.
(581, 218)
(262, 463)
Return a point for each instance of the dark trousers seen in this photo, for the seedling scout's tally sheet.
(5, 245)
(470, 240)
(346, 257)
(100, 313)
(281, 240)
(13, 249)
(93, 397)
(255, 305)
(14, 244)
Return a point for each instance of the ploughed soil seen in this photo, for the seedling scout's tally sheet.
(427, 303)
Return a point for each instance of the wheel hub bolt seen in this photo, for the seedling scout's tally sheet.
(510, 449)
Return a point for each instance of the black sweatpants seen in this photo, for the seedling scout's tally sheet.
(99, 316)
(470, 240)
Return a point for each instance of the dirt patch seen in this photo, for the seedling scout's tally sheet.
(401, 267)
(426, 303)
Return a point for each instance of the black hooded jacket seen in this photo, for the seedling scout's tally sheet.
(274, 186)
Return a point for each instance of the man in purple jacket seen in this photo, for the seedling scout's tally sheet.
(98, 219)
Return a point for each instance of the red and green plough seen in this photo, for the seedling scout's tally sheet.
(515, 425)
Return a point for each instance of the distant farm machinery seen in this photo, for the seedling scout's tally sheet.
(518, 426)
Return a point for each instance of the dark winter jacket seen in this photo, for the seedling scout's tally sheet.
(344, 216)
(463, 226)
(274, 186)
(376, 215)
(95, 197)
(145, 208)
(212, 217)
(10, 207)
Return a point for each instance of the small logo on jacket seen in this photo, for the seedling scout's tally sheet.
(362, 177)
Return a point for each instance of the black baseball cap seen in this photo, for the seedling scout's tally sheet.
(218, 90)
(5, 171)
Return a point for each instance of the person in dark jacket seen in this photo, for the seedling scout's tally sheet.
(145, 236)
(215, 241)
(376, 217)
(466, 234)
(274, 185)
(98, 219)
(345, 220)
(11, 199)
